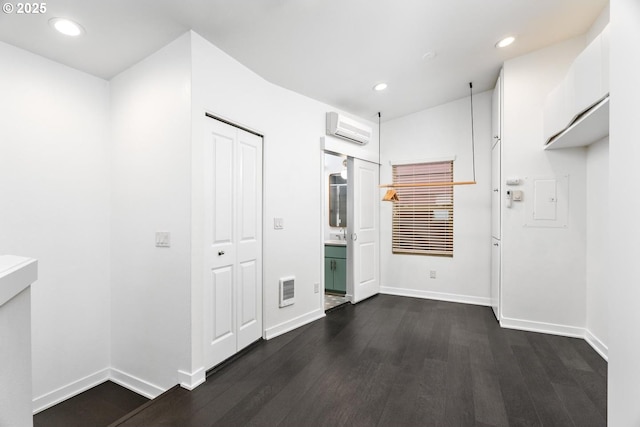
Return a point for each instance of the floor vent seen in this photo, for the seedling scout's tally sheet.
(287, 291)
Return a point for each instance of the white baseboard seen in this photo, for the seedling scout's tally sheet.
(63, 393)
(192, 380)
(562, 330)
(138, 385)
(440, 296)
(545, 328)
(130, 382)
(597, 345)
(292, 324)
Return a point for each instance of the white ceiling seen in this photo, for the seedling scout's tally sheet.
(330, 50)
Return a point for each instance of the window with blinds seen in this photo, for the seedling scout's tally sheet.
(423, 216)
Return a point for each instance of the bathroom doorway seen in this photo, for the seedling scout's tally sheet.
(334, 220)
(351, 246)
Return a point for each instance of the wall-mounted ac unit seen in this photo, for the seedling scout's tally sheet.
(349, 129)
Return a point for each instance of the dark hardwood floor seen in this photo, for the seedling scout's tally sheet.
(394, 361)
(96, 407)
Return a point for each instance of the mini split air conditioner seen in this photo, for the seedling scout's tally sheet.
(346, 128)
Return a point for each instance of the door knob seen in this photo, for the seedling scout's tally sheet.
(220, 253)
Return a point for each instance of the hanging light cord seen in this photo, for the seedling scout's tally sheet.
(379, 145)
(440, 184)
(473, 139)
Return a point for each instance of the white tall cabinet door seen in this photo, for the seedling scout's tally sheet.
(233, 240)
(363, 218)
(496, 109)
(496, 191)
(496, 197)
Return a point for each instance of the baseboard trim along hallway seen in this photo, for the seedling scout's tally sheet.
(437, 296)
(294, 323)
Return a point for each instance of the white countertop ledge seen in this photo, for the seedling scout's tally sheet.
(16, 274)
(335, 242)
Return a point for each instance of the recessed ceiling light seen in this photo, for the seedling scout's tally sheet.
(379, 87)
(506, 41)
(66, 26)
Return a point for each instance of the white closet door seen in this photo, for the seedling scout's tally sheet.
(233, 240)
(363, 249)
(249, 243)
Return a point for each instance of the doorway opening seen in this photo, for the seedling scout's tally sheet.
(334, 225)
(351, 244)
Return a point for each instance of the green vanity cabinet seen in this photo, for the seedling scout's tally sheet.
(335, 268)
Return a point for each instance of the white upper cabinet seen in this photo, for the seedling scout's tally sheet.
(557, 108)
(584, 88)
(496, 112)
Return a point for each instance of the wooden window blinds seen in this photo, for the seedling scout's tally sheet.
(423, 216)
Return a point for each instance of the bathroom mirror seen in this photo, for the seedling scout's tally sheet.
(337, 200)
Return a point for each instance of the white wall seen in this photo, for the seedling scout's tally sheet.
(292, 126)
(444, 131)
(151, 191)
(55, 208)
(624, 272)
(105, 166)
(543, 269)
(598, 228)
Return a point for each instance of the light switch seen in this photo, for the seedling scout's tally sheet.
(278, 223)
(163, 239)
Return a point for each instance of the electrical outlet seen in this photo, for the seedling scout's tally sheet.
(432, 274)
(316, 287)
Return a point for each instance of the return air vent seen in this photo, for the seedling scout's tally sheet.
(287, 291)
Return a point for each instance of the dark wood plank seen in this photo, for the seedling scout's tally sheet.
(98, 406)
(565, 348)
(555, 368)
(459, 405)
(579, 406)
(550, 409)
(595, 387)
